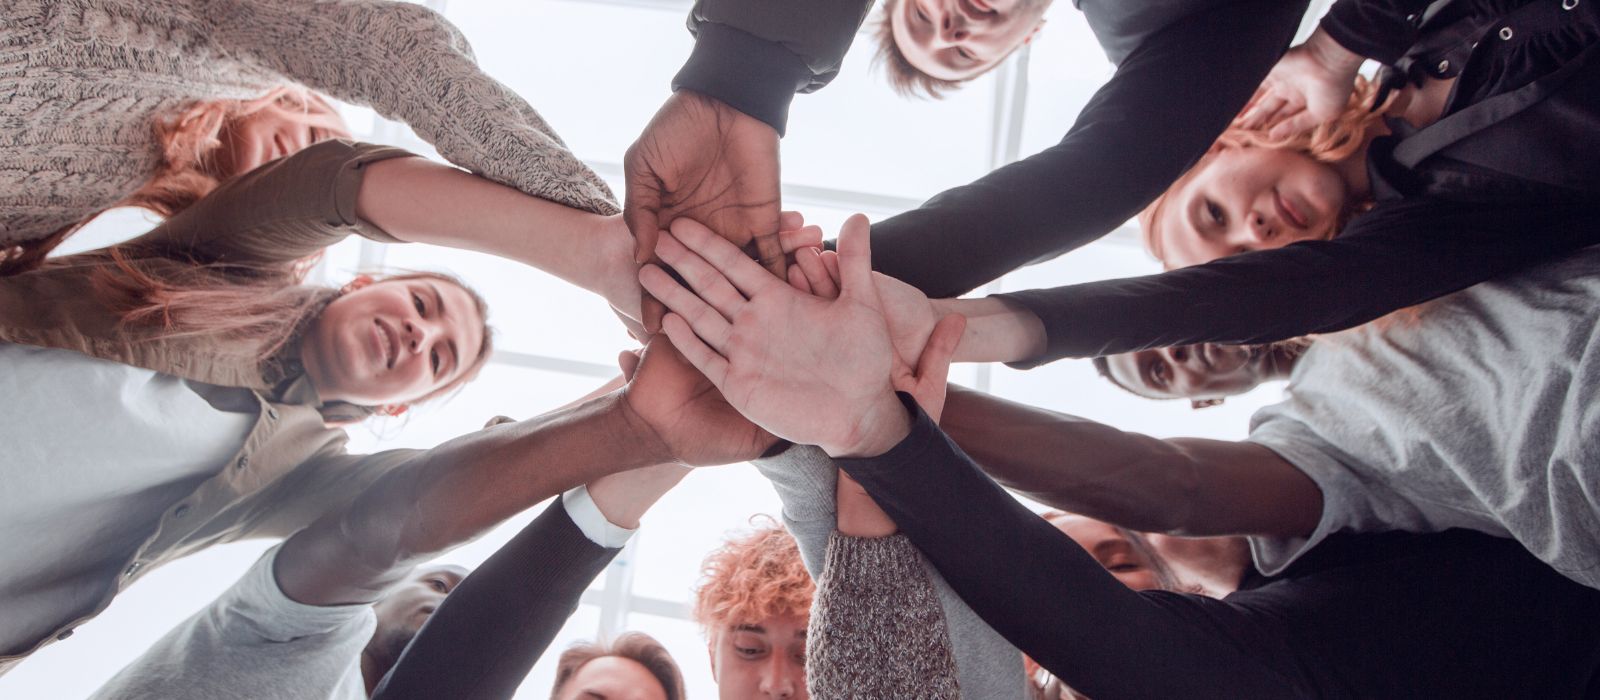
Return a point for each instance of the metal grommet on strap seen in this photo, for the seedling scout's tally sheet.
(1568, 4)
(1443, 66)
(1506, 34)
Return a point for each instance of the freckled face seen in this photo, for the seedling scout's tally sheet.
(393, 341)
(960, 39)
(1242, 199)
(764, 661)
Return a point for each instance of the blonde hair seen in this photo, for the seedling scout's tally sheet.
(638, 647)
(1329, 142)
(189, 167)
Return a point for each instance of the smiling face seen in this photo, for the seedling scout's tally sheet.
(1240, 199)
(958, 40)
(394, 341)
(761, 661)
(272, 132)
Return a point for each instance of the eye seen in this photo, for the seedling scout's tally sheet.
(966, 54)
(1158, 374)
(416, 301)
(433, 357)
(1215, 212)
(438, 585)
(923, 17)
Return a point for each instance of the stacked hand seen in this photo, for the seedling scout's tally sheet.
(809, 369)
(1310, 85)
(702, 159)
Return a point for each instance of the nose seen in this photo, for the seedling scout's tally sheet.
(778, 682)
(419, 333)
(1179, 355)
(1260, 229)
(953, 28)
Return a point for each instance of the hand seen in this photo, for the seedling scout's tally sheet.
(683, 412)
(701, 159)
(1310, 85)
(811, 370)
(909, 312)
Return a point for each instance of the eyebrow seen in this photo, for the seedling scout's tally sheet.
(438, 305)
(750, 628)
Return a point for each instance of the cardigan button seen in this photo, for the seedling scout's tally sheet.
(180, 511)
(1568, 4)
(244, 461)
(1506, 34)
(1443, 66)
(132, 569)
(64, 634)
(272, 414)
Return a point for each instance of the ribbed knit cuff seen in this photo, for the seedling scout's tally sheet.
(750, 74)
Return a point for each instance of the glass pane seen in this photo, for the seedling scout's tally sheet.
(693, 519)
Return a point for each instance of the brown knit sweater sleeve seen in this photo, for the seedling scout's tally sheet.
(877, 630)
(411, 65)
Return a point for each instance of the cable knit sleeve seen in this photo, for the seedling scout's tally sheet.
(877, 630)
(412, 65)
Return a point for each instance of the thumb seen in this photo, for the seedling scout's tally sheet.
(628, 360)
(855, 258)
(933, 368)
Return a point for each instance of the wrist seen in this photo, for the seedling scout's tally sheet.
(1332, 55)
(644, 446)
(614, 275)
(876, 430)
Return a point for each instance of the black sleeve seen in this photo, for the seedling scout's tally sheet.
(1048, 597)
(1381, 30)
(491, 630)
(755, 55)
(1400, 254)
(1164, 107)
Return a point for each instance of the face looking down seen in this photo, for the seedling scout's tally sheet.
(1241, 199)
(761, 661)
(394, 341)
(960, 39)
(1200, 372)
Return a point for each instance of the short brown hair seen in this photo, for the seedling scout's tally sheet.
(634, 646)
(906, 79)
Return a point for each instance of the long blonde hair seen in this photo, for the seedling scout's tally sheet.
(189, 167)
(1329, 142)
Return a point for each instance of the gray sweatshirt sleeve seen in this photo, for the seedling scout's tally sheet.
(877, 629)
(412, 65)
(805, 479)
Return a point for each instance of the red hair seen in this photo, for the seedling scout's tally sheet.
(1328, 142)
(753, 577)
(188, 169)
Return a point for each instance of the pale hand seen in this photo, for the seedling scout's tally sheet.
(810, 370)
(1309, 86)
(685, 415)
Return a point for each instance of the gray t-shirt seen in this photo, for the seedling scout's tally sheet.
(1478, 410)
(253, 642)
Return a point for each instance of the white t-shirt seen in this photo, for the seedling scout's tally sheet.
(254, 643)
(1481, 411)
(94, 453)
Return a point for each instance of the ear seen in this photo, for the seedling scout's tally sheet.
(1205, 403)
(357, 283)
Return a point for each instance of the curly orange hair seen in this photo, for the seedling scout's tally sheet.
(753, 577)
(1328, 142)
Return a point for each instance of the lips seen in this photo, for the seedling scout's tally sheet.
(1288, 212)
(386, 342)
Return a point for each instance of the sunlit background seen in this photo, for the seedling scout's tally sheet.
(597, 70)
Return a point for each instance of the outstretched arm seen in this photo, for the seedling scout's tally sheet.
(1167, 103)
(1183, 486)
(491, 630)
(409, 64)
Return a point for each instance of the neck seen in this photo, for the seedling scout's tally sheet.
(373, 668)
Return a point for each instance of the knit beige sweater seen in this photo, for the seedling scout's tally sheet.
(82, 80)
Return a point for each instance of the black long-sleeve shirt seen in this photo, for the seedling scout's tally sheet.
(1456, 614)
(495, 625)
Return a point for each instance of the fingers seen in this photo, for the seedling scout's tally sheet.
(711, 364)
(705, 280)
(793, 240)
(941, 348)
(769, 250)
(639, 212)
(707, 322)
(855, 257)
(790, 220)
(818, 280)
(652, 310)
(628, 360)
(830, 260)
(1300, 121)
(1261, 112)
(747, 276)
(797, 279)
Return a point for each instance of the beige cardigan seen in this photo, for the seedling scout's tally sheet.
(81, 82)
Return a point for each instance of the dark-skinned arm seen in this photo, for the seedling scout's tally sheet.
(1180, 486)
(1167, 103)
